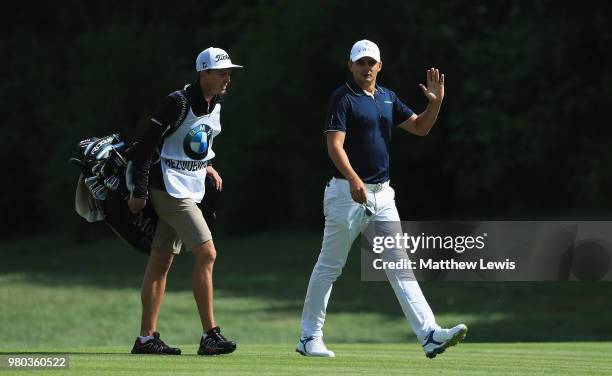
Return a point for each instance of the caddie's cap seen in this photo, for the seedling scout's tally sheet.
(365, 48)
(214, 58)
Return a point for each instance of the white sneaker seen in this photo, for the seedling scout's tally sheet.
(438, 340)
(313, 346)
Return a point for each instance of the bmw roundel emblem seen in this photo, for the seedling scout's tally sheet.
(197, 141)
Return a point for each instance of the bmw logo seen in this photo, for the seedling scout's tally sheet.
(197, 142)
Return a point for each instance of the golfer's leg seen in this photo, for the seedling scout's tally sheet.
(153, 288)
(407, 290)
(343, 222)
(414, 305)
(201, 280)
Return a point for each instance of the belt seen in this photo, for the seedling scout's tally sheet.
(374, 188)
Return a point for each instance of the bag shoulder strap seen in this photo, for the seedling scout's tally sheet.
(181, 99)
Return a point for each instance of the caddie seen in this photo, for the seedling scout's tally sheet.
(170, 164)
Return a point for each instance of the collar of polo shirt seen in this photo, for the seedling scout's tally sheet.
(358, 91)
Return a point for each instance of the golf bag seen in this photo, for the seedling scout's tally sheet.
(105, 185)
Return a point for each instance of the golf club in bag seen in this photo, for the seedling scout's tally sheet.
(105, 184)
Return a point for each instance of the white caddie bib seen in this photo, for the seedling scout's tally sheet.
(185, 152)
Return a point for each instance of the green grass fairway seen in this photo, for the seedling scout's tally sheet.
(60, 295)
(405, 359)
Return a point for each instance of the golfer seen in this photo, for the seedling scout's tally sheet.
(360, 121)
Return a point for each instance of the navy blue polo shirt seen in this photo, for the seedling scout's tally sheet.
(368, 123)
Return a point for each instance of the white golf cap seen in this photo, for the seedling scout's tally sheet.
(365, 48)
(214, 58)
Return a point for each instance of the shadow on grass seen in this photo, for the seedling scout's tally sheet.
(277, 266)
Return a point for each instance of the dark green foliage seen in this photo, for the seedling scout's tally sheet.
(524, 130)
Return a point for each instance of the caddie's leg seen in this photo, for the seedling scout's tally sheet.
(153, 289)
(407, 290)
(201, 280)
(187, 221)
(344, 220)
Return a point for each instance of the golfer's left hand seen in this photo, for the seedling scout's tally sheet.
(435, 86)
(216, 177)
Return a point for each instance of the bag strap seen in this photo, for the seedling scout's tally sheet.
(181, 99)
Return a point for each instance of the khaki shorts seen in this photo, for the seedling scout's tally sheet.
(180, 221)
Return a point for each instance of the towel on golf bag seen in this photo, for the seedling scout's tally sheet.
(104, 186)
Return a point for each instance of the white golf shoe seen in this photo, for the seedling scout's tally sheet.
(438, 340)
(313, 346)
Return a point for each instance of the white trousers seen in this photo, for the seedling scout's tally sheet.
(344, 220)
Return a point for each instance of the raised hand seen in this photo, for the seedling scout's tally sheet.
(435, 86)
